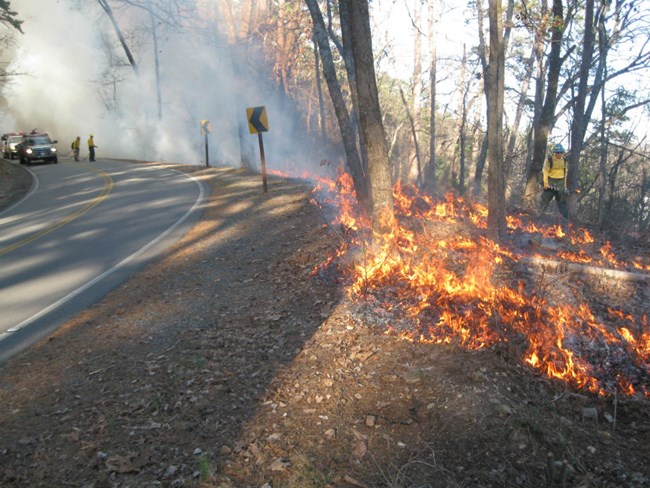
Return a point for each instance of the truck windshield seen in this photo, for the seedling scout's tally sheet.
(39, 140)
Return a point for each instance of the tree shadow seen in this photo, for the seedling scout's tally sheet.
(169, 367)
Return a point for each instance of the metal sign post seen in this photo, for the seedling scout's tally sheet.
(258, 123)
(206, 128)
(263, 162)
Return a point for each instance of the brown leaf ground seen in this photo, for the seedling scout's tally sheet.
(228, 364)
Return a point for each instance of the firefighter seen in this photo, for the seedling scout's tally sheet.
(75, 147)
(91, 148)
(554, 175)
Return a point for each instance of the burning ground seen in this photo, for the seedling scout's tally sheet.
(437, 279)
(309, 357)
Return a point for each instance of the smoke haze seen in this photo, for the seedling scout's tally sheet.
(67, 88)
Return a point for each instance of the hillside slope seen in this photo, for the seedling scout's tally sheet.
(229, 362)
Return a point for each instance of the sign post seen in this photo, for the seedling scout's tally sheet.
(206, 128)
(258, 123)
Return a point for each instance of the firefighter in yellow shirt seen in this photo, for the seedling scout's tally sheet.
(91, 148)
(554, 174)
(76, 144)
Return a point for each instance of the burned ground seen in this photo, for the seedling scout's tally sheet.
(230, 362)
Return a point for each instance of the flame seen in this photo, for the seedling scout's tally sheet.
(434, 285)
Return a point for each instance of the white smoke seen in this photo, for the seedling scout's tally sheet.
(68, 90)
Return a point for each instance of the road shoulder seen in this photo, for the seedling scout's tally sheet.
(15, 182)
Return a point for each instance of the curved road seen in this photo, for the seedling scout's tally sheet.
(83, 229)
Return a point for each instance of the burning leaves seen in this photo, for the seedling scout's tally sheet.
(436, 279)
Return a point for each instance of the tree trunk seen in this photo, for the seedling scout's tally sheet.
(462, 121)
(602, 173)
(578, 125)
(107, 8)
(154, 34)
(547, 114)
(602, 190)
(415, 169)
(319, 92)
(429, 182)
(521, 105)
(381, 188)
(340, 109)
(414, 136)
(494, 88)
(477, 188)
(350, 69)
(538, 104)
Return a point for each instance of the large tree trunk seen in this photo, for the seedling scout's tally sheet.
(494, 88)
(381, 188)
(578, 125)
(538, 104)
(346, 52)
(340, 109)
(547, 115)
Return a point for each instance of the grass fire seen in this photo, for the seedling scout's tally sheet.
(437, 279)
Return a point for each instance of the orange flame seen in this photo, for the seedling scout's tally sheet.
(439, 286)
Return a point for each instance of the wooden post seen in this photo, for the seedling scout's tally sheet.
(263, 162)
(207, 157)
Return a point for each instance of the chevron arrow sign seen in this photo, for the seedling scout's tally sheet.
(257, 120)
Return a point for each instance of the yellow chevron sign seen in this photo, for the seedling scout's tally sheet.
(257, 120)
(206, 127)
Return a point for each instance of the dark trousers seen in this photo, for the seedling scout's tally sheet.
(91, 150)
(555, 190)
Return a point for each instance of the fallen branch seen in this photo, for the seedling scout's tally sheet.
(564, 266)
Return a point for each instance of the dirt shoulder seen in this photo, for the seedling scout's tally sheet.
(15, 182)
(229, 363)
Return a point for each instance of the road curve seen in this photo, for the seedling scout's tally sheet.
(82, 230)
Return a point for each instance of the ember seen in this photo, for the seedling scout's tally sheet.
(434, 285)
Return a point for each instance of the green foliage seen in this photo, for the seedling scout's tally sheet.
(8, 17)
(205, 473)
(618, 103)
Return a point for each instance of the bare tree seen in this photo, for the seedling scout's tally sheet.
(381, 188)
(547, 115)
(579, 122)
(109, 11)
(429, 182)
(494, 92)
(414, 159)
(340, 108)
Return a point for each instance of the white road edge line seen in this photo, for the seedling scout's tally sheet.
(110, 271)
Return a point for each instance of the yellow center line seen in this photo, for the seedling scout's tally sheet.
(108, 186)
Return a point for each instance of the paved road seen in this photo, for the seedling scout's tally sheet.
(83, 229)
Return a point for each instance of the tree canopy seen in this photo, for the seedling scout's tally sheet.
(9, 17)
